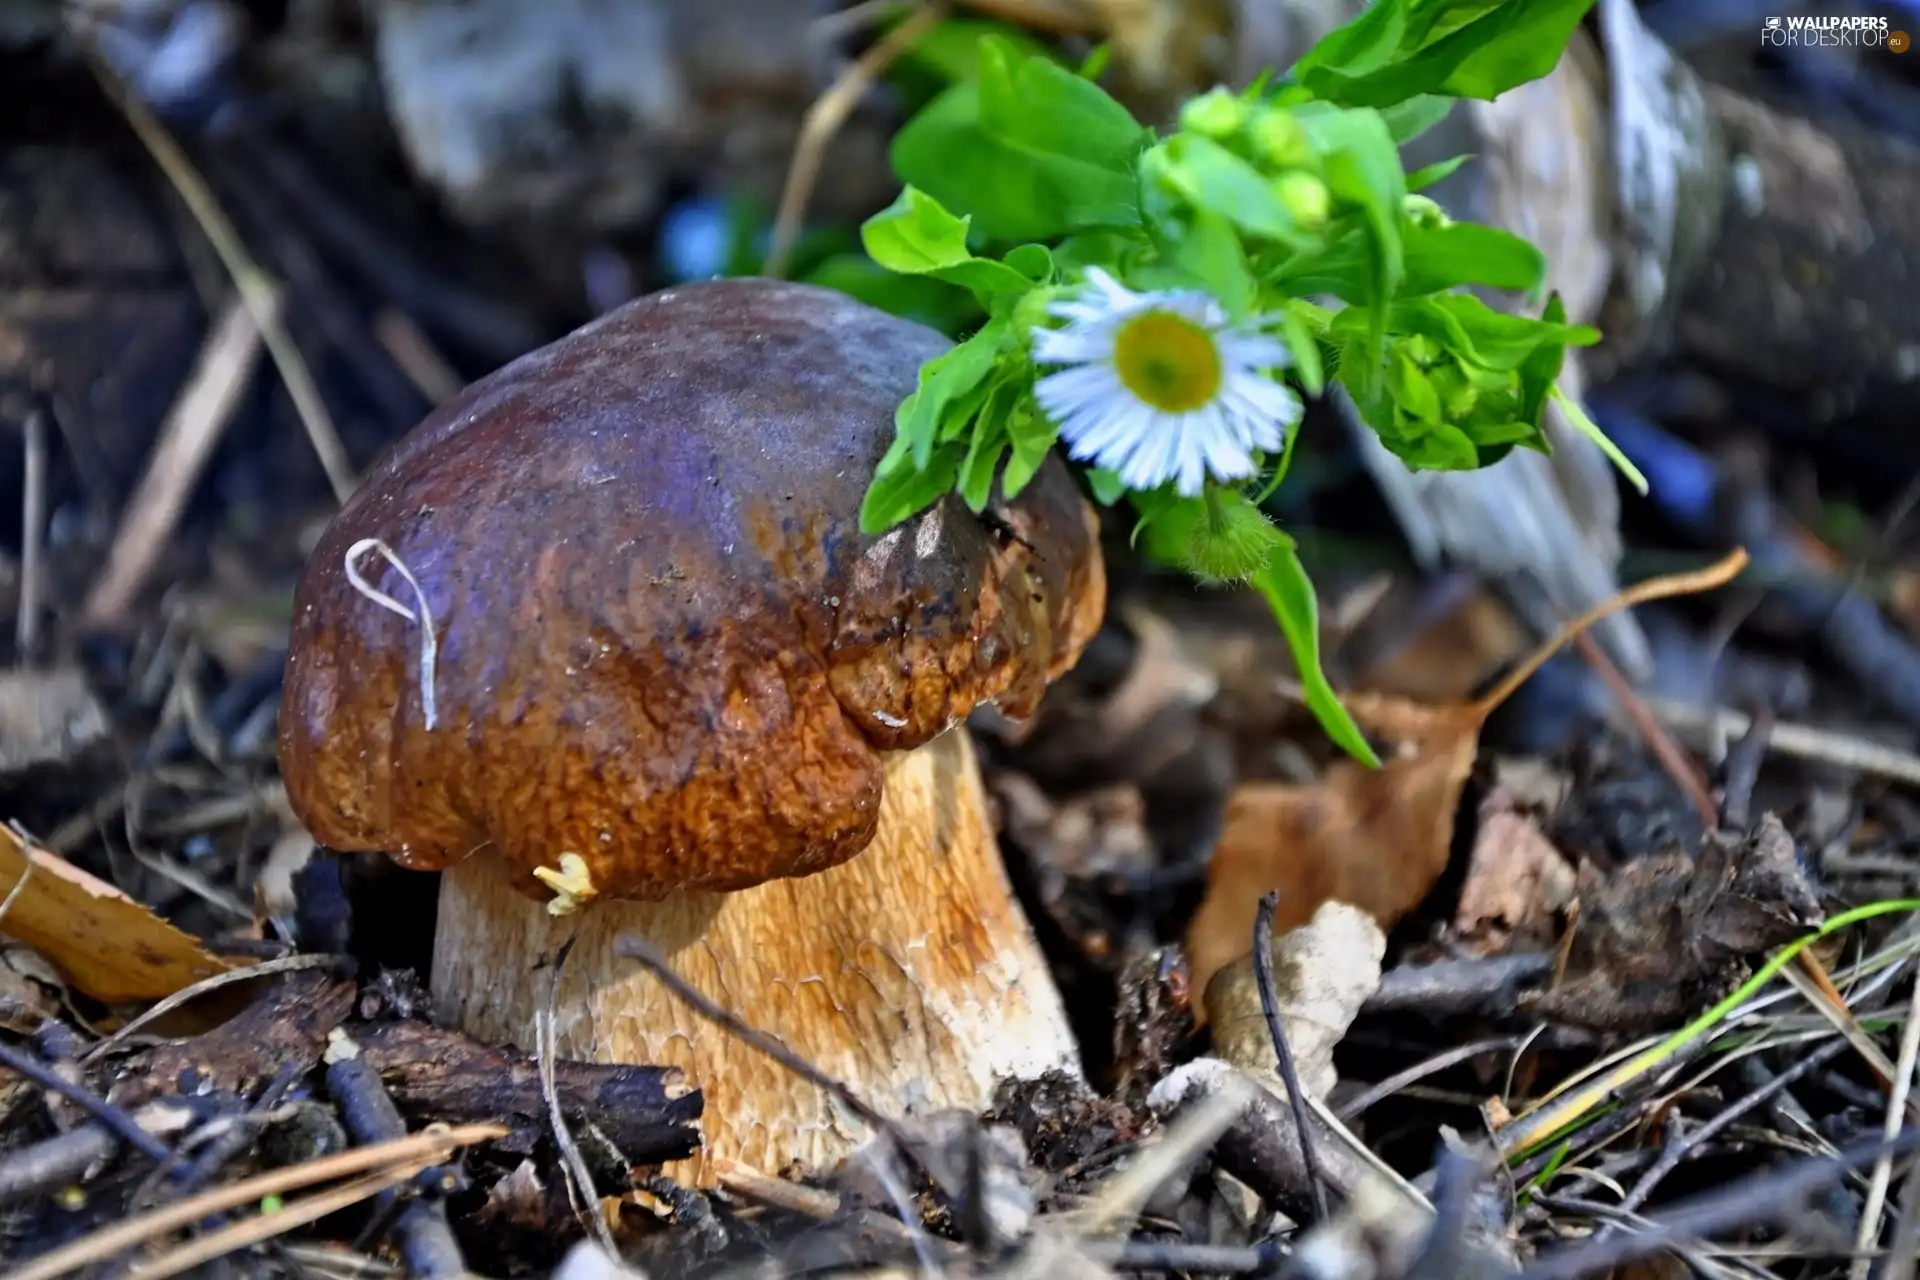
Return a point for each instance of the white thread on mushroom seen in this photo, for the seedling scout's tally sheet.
(429, 644)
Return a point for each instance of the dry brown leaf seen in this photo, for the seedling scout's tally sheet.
(1375, 838)
(1516, 880)
(1410, 649)
(103, 942)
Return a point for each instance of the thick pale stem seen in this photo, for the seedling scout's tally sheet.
(909, 973)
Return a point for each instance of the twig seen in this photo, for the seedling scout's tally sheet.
(1184, 1257)
(745, 1180)
(124, 1126)
(1675, 1153)
(1485, 985)
(193, 427)
(1679, 767)
(426, 1238)
(880, 1160)
(220, 1140)
(33, 525)
(425, 1148)
(1194, 1131)
(257, 289)
(1262, 1149)
(578, 1174)
(1896, 1118)
(1798, 741)
(1740, 772)
(1738, 1204)
(1439, 1062)
(471, 317)
(1905, 1249)
(416, 355)
(1270, 1006)
(1446, 1253)
(429, 642)
(264, 1226)
(824, 118)
(186, 995)
(26, 873)
(33, 1170)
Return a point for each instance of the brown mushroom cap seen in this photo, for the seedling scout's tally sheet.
(663, 643)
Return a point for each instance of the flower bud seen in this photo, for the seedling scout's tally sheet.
(1216, 114)
(1424, 212)
(1232, 540)
(1280, 139)
(1305, 196)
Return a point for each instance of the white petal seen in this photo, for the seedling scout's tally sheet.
(1071, 346)
(1254, 351)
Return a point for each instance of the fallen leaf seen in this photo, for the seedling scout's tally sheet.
(103, 942)
(1661, 937)
(1375, 838)
(1433, 645)
(1516, 881)
(25, 1002)
(1323, 972)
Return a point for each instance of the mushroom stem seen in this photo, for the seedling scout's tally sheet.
(908, 972)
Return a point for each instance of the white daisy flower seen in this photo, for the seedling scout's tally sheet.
(1160, 386)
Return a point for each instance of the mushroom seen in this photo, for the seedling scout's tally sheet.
(601, 640)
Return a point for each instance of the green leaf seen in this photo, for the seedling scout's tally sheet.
(943, 380)
(1439, 258)
(949, 51)
(1212, 254)
(1039, 106)
(893, 498)
(1521, 41)
(1435, 259)
(957, 418)
(1032, 434)
(981, 463)
(1221, 183)
(1428, 174)
(1591, 430)
(1408, 120)
(1479, 334)
(1034, 261)
(1106, 485)
(1008, 190)
(1541, 368)
(1029, 150)
(1413, 394)
(1350, 52)
(1281, 467)
(1289, 594)
(1400, 49)
(1304, 345)
(916, 236)
(1362, 167)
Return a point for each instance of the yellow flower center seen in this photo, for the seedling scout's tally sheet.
(1167, 361)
